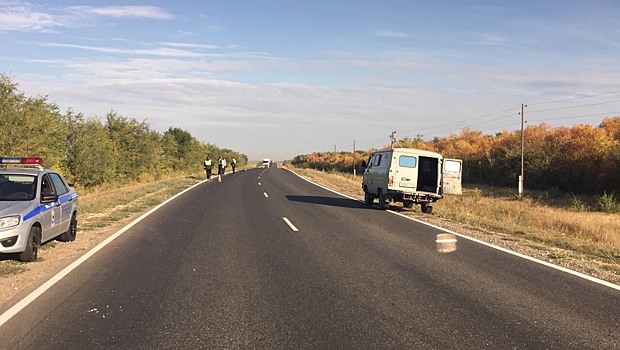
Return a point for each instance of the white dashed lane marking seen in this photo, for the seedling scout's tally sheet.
(290, 224)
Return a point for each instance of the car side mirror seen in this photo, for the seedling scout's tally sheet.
(49, 198)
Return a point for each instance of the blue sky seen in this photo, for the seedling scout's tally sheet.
(281, 78)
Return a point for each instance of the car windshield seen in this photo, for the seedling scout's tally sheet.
(17, 187)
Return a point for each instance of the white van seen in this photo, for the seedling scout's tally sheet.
(410, 176)
(266, 162)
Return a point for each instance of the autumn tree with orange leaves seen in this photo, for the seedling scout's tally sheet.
(582, 159)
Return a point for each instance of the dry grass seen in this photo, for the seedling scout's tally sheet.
(103, 206)
(537, 221)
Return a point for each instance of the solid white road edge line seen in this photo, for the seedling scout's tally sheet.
(290, 224)
(542, 262)
(7, 315)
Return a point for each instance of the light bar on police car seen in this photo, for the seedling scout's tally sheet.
(21, 160)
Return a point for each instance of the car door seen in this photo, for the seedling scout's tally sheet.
(65, 202)
(51, 213)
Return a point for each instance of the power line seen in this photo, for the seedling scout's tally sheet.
(469, 119)
(438, 129)
(575, 98)
(579, 106)
(574, 117)
(512, 108)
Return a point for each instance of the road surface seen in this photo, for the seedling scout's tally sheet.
(266, 260)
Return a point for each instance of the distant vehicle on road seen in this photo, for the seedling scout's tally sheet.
(36, 206)
(410, 176)
(266, 162)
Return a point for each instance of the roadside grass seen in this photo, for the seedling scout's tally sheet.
(103, 206)
(587, 232)
(109, 205)
(541, 220)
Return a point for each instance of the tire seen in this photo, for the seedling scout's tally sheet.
(408, 204)
(382, 204)
(368, 198)
(428, 209)
(32, 246)
(71, 233)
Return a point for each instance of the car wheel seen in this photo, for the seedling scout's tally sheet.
(71, 233)
(408, 204)
(32, 246)
(382, 203)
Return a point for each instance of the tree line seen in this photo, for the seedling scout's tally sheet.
(90, 151)
(582, 159)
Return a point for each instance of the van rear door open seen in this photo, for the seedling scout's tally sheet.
(406, 173)
(452, 176)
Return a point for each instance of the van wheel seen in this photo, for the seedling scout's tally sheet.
(382, 203)
(32, 247)
(368, 198)
(408, 204)
(426, 208)
(71, 233)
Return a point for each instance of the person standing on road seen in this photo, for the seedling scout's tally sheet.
(208, 166)
(219, 166)
(223, 166)
(233, 164)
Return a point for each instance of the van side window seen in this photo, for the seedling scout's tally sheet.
(407, 161)
(377, 160)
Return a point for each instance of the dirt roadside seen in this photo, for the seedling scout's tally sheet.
(95, 227)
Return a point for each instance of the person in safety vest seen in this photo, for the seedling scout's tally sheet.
(233, 164)
(219, 166)
(208, 166)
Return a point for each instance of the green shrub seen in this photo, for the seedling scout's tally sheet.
(607, 203)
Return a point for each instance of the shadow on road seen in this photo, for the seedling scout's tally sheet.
(335, 202)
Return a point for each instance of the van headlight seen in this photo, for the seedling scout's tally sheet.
(9, 221)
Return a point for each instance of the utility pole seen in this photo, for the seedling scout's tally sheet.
(354, 159)
(522, 151)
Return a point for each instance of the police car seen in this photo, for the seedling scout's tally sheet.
(36, 206)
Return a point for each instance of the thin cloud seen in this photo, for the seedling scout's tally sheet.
(190, 45)
(391, 34)
(150, 12)
(25, 18)
(30, 18)
(160, 52)
(489, 39)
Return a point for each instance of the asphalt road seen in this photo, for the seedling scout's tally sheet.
(220, 268)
